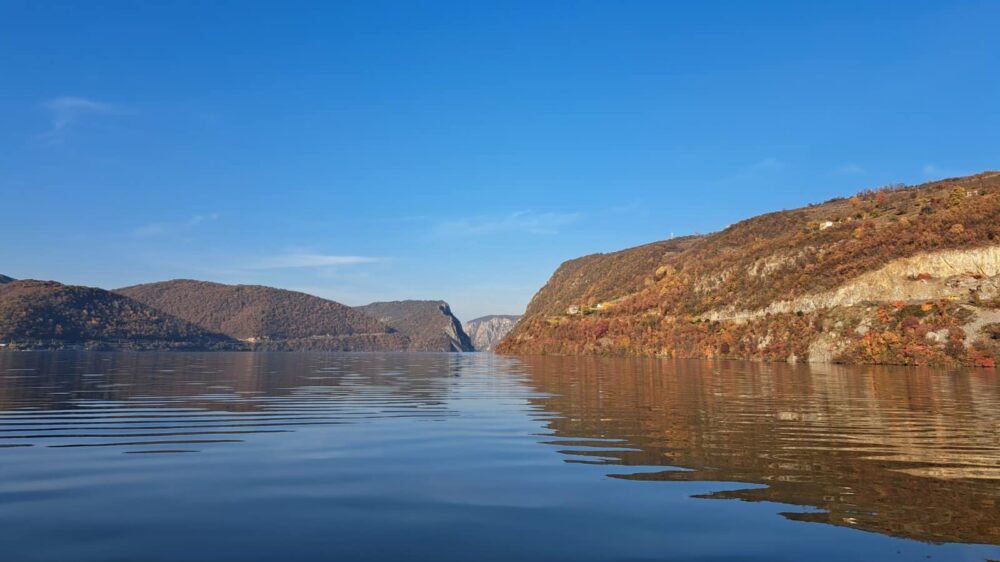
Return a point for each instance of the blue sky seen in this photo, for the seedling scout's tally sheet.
(458, 150)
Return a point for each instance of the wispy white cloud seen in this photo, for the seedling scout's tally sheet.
(66, 111)
(158, 228)
(521, 221)
(850, 169)
(769, 163)
(298, 260)
(635, 207)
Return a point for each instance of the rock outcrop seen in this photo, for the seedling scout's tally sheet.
(906, 275)
(428, 325)
(950, 274)
(487, 331)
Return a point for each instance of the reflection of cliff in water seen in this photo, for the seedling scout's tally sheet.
(906, 452)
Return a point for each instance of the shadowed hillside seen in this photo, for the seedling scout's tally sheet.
(5, 279)
(269, 318)
(429, 325)
(49, 315)
(906, 275)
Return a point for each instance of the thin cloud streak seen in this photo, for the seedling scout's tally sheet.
(850, 169)
(299, 260)
(159, 228)
(635, 207)
(66, 111)
(521, 221)
(769, 163)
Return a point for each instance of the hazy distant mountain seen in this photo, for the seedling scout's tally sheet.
(907, 275)
(487, 331)
(50, 315)
(269, 318)
(429, 325)
(5, 279)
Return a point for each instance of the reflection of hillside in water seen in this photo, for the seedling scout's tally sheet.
(906, 452)
(175, 401)
(225, 381)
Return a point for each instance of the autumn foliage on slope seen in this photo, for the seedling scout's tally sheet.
(600, 277)
(772, 257)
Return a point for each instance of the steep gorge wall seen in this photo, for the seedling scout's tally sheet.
(488, 331)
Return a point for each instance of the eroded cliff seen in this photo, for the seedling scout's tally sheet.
(487, 331)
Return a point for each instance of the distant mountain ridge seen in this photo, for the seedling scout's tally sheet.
(50, 315)
(429, 325)
(194, 315)
(903, 275)
(269, 318)
(487, 331)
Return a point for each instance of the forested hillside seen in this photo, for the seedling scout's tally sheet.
(49, 315)
(269, 318)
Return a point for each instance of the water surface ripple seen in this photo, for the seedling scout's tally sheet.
(240, 456)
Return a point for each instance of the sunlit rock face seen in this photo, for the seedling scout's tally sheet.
(487, 331)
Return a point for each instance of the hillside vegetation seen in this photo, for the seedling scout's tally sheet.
(601, 277)
(269, 318)
(840, 281)
(428, 325)
(49, 315)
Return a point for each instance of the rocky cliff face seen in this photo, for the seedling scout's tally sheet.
(486, 332)
(428, 325)
(904, 275)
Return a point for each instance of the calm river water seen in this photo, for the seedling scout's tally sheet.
(476, 457)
